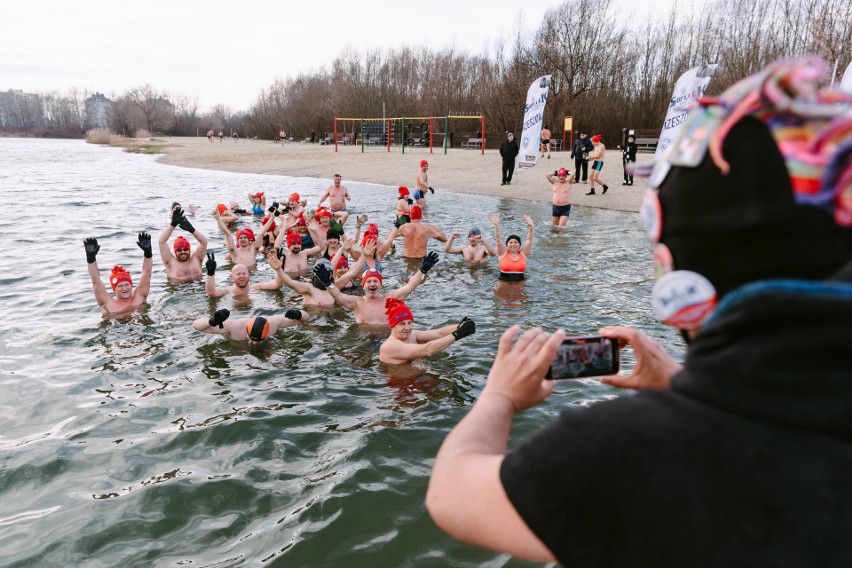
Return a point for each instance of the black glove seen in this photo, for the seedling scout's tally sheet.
(410, 201)
(186, 225)
(210, 264)
(428, 262)
(293, 314)
(323, 274)
(432, 191)
(466, 327)
(92, 248)
(144, 243)
(177, 213)
(273, 207)
(277, 213)
(285, 209)
(218, 317)
(555, 172)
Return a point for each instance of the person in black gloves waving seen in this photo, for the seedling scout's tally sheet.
(182, 264)
(254, 329)
(126, 297)
(406, 344)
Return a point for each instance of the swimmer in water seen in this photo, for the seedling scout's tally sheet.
(126, 297)
(369, 308)
(477, 251)
(258, 202)
(240, 276)
(245, 249)
(513, 257)
(227, 215)
(337, 195)
(254, 330)
(415, 234)
(403, 206)
(406, 344)
(421, 184)
(181, 264)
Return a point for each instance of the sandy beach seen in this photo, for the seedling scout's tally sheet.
(462, 171)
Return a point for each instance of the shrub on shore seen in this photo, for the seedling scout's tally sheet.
(99, 136)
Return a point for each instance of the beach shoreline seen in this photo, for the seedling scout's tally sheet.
(460, 170)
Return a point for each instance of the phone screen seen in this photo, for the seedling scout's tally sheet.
(590, 356)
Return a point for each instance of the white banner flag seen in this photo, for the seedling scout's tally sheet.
(531, 137)
(688, 89)
(846, 81)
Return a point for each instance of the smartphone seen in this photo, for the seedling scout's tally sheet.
(586, 356)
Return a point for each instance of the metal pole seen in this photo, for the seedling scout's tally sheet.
(446, 133)
(402, 142)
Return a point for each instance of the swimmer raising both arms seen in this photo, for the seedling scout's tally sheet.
(240, 275)
(126, 298)
(477, 251)
(182, 264)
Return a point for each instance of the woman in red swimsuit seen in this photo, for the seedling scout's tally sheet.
(513, 257)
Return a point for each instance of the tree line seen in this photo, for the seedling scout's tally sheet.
(609, 71)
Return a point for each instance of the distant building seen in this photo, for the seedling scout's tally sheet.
(19, 109)
(97, 111)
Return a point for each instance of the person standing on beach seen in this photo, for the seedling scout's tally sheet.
(126, 298)
(421, 184)
(236, 137)
(628, 156)
(221, 136)
(509, 151)
(477, 251)
(407, 344)
(597, 155)
(369, 308)
(561, 196)
(580, 152)
(254, 329)
(282, 136)
(210, 135)
(337, 196)
(545, 141)
(416, 233)
(182, 264)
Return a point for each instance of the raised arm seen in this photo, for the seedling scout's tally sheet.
(229, 239)
(448, 246)
(163, 245)
(437, 233)
(92, 247)
(144, 288)
(210, 280)
(417, 278)
(501, 248)
(187, 226)
(528, 245)
(326, 277)
(282, 278)
(322, 198)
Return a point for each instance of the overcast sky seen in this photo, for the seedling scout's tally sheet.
(227, 51)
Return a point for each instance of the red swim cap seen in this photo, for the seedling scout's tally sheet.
(403, 190)
(370, 273)
(342, 263)
(562, 172)
(294, 197)
(423, 163)
(397, 311)
(265, 219)
(301, 222)
(293, 239)
(416, 212)
(181, 243)
(257, 328)
(596, 138)
(322, 212)
(221, 208)
(247, 232)
(119, 275)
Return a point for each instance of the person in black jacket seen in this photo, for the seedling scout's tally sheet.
(509, 151)
(628, 155)
(741, 455)
(580, 152)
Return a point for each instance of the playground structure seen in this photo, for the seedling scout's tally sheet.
(388, 134)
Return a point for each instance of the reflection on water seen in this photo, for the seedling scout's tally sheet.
(136, 439)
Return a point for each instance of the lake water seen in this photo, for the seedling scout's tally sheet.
(141, 442)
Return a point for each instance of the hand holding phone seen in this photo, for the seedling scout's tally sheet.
(585, 356)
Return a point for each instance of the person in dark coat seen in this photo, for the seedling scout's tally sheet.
(628, 155)
(509, 151)
(580, 152)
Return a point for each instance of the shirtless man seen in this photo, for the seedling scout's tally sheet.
(210, 135)
(416, 233)
(421, 184)
(337, 195)
(254, 329)
(477, 251)
(126, 298)
(561, 196)
(313, 294)
(240, 275)
(406, 344)
(182, 264)
(295, 259)
(246, 248)
(545, 141)
(597, 165)
(221, 136)
(228, 216)
(369, 308)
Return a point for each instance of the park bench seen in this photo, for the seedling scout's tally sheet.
(473, 143)
(556, 144)
(647, 144)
